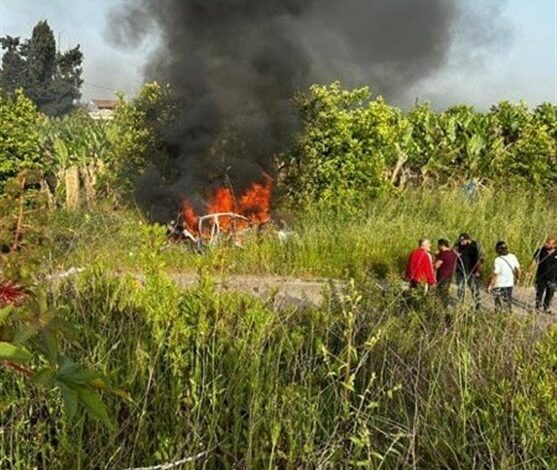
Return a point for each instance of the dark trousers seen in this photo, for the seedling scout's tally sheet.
(545, 290)
(472, 282)
(503, 299)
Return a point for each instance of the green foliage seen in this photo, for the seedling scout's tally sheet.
(133, 136)
(76, 139)
(546, 115)
(105, 156)
(31, 338)
(12, 72)
(20, 136)
(536, 408)
(533, 160)
(346, 147)
(361, 382)
(352, 148)
(22, 210)
(374, 240)
(51, 79)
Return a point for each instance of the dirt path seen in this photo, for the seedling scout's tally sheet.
(288, 291)
(284, 290)
(310, 292)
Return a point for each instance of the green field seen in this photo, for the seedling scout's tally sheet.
(373, 241)
(367, 380)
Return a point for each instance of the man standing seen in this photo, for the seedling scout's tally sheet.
(419, 270)
(545, 259)
(445, 265)
(468, 268)
(506, 271)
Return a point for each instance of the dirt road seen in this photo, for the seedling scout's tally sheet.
(288, 291)
(310, 292)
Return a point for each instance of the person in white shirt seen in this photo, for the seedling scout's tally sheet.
(506, 272)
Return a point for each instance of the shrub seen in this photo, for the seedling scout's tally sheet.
(20, 136)
(347, 144)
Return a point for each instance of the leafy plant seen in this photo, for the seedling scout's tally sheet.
(30, 346)
(352, 148)
(133, 136)
(346, 147)
(20, 136)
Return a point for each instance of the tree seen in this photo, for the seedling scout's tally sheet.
(348, 144)
(20, 136)
(134, 136)
(12, 73)
(51, 79)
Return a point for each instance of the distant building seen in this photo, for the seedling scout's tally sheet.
(102, 109)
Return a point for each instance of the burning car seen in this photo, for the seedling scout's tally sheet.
(227, 215)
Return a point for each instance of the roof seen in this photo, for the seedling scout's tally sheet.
(105, 104)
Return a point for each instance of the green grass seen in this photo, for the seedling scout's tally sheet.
(374, 240)
(368, 380)
(363, 382)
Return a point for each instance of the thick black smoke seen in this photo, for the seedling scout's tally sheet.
(234, 65)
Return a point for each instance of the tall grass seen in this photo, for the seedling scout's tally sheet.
(363, 382)
(370, 379)
(373, 240)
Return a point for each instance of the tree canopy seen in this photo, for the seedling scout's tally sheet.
(50, 78)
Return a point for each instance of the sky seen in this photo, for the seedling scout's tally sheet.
(520, 66)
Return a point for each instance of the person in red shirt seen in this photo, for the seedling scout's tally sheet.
(419, 270)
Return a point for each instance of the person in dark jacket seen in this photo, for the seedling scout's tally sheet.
(468, 268)
(545, 259)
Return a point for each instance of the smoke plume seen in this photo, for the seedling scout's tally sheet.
(234, 65)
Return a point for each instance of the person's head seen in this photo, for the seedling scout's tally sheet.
(501, 248)
(550, 244)
(443, 245)
(424, 244)
(464, 239)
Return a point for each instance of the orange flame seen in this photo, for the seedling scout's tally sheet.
(254, 204)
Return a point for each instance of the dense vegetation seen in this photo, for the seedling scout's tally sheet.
(361, 382)
(369, 379)
(353, 147)
(331, 244)
(51, 79)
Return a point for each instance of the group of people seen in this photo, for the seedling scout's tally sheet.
(464, 260)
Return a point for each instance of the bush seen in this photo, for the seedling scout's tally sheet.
(21, 135)
(134, 137)
(347, 144)
(352, 147)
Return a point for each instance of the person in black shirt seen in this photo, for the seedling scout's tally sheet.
(468, 268)
(545, 259)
